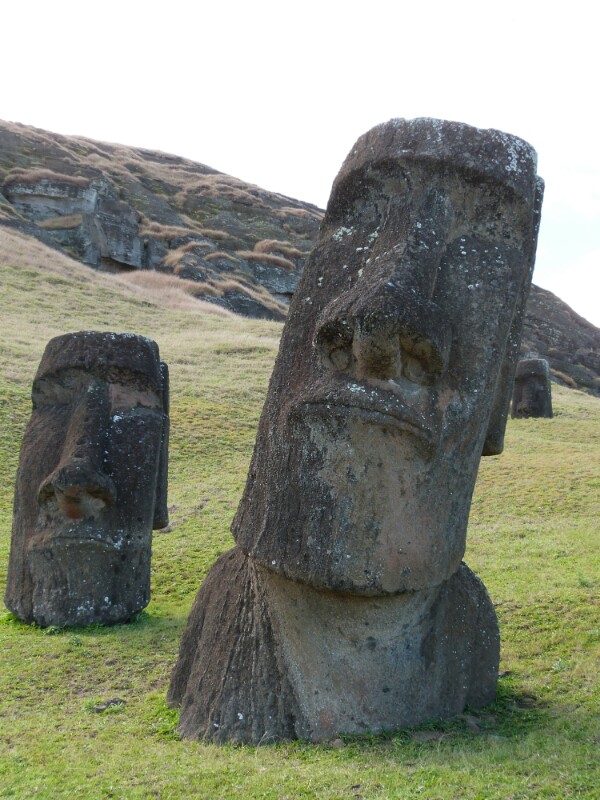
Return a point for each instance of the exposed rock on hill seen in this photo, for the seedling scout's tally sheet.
(119, 208)
(124, 208)
(567, 341)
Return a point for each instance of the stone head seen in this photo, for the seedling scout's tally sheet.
(532, 393)
(396, 363)
(92, 481)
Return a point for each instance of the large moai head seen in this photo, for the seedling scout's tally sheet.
(532, 393)
(92, 481)
(396, 363)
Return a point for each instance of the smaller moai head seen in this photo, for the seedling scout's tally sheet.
(396, 362)
(532, 393)
(92, 481)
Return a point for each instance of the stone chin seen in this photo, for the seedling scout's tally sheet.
(377, 506)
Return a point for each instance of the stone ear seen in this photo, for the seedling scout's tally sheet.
(161, 512)
(494, 440)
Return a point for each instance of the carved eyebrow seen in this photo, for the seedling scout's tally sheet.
(124, 396)
(57, 387)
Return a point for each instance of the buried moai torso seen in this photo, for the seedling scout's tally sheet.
(532, 393)
(91, 482)
(393, 377)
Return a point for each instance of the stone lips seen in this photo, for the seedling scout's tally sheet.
(91, 482)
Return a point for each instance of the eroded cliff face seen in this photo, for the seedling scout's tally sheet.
(244, 248)
(569, 343)
(118, 208)
(85, 217)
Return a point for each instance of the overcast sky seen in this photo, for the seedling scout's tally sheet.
(276, 93)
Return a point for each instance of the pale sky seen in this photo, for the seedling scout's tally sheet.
(276, 93)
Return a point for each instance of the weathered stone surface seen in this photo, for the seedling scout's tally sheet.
(121, 208)
(397, 358)
(92, 481)
(265, 659)
(532, 393)
(393, 377)
(86, 216)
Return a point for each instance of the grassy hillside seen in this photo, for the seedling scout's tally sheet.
(533, 540)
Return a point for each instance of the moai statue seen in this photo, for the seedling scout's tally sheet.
(344, 607)
(532, 393)
(91, 483)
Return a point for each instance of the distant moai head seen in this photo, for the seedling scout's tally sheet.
(92, 481)
(396, 363)
(532, 393)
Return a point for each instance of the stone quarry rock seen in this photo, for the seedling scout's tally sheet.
(345, 606)
(532, 393)
(91, 483)
(87, 217)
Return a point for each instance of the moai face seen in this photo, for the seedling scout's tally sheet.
(396, 359)
(532, 393)
(91, 483)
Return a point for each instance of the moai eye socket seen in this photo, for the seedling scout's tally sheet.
(334, 342)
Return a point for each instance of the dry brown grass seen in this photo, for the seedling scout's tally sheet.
(61, 223)
(221, 254)
(29, 177)
(566, 379)
(173, 257)
(7, 212)
(224, 187)
(213, 234)
(165, 291)
(258, 293)
(296, 211)
(22, 251)
(160, 231)
(274, 246)
(266, 258)
(171, 292)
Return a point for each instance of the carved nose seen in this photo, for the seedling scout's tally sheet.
(384, 338)
(78, 484)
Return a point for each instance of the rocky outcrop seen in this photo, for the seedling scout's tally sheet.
(122, 208)
(117, 208)
(86, 217)
(569, 343)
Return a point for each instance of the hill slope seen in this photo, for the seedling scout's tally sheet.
(138, 212)
(531, 538)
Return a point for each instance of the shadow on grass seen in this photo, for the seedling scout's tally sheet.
(140, 622)
(513, 715)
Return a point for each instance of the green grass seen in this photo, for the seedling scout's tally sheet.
(532, 538)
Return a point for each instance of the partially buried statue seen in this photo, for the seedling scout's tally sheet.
(345, 606)
(91, 483)
(532, 393)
